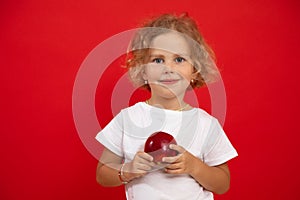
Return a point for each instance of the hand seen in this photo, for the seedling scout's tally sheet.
(183, 163)
(139, 166)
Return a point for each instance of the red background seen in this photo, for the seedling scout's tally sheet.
(43, 44)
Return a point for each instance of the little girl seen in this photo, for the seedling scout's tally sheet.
(167, 56)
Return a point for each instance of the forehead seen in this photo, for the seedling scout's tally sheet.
(171, 42)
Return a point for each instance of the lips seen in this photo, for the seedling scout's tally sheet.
(169, 81)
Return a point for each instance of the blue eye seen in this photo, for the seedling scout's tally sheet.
(158, 60)
(179, 59)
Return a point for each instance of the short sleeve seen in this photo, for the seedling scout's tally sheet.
(112, 135)
(218, 149)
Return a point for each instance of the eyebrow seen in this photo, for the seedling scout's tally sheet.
(175, 55)
(156, 55)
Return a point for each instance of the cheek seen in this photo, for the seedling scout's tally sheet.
(153, 72)
(186, 74)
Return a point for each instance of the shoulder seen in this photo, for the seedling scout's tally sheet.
(138, 107)
(133, 112)
(203, 115)
(205, 119)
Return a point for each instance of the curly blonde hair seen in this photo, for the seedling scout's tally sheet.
(202, 55)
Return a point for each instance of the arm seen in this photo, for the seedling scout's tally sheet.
(107, 173)
(212, 178)
(108, 168)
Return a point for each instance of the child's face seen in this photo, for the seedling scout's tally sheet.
(169, 69)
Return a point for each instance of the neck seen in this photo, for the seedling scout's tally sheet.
(168, 103)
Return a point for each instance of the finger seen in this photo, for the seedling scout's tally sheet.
(178, 148)
(135, 168)
(139, 168)
(145, 159)
(173, 166)
(174, 171)
(172, 159)
(143, 167)
(139, 173)
(145, 156)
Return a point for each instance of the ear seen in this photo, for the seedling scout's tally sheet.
(144, 74)
(195, 73)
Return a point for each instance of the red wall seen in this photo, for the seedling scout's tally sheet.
(43, 44)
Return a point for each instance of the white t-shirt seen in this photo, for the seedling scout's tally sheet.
(195, 130)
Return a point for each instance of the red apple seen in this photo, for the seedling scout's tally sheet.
(157, 145)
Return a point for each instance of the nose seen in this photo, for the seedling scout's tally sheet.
(169, 66)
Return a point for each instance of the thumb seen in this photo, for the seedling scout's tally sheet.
(178, 148)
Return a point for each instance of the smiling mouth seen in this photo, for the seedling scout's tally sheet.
(169, 81)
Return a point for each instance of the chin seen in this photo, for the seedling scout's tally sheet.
(168, 92)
